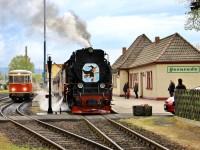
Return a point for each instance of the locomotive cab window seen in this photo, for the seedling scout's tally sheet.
(90, 72)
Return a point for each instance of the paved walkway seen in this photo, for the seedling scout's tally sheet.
(122, 105)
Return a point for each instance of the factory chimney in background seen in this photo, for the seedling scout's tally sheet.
(26, 54)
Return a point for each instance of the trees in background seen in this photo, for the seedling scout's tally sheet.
(193, 16)
(1, 76)
(21, 63)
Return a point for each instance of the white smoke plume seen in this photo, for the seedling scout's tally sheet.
(30, 14)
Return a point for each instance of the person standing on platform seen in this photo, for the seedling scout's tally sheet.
(125, 89)
(171, 88)
(180, 85)
(136, 89)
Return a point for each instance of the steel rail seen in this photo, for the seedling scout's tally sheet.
(3, 98)
(64, 131)
(108, 140)
(148, 141)
(55, 145)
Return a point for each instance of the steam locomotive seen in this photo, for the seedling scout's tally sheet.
(85, 82)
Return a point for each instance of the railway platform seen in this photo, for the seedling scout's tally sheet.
(122, 107)
(125, 106)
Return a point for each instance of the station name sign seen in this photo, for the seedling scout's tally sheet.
(183, 69)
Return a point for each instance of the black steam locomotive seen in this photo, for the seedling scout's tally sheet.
(85, 82)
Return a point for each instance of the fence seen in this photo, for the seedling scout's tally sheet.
(187, 104)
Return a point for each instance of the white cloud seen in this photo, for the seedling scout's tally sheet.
(128, 26)
(112, 24)
(1, 45)
(2, 49)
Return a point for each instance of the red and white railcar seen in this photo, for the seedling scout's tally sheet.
(20, 85)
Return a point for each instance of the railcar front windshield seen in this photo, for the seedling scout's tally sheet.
(20, 79)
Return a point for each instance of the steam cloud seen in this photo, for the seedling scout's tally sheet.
(30, 14)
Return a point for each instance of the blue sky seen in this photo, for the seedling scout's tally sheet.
(112, 25)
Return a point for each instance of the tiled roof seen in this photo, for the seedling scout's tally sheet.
(132, 52)
(152, 52)
(173, 48)
(179, 50)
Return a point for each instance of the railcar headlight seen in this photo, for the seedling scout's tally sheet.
(80, 85)
(13, 89)
(24, 89)
(102, 85)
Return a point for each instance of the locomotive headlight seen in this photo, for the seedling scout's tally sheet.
(102, 85)
(24, 89)
(13, 89)
(80, 85)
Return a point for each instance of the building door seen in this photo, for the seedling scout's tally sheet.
(141, 84)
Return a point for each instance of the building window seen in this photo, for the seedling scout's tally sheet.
(114, 80)
(132, 79)
(149, 80)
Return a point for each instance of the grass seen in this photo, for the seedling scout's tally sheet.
(3, 91)
(5, 144)
(170, 127)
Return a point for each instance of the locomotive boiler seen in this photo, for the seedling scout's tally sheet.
(86, 82)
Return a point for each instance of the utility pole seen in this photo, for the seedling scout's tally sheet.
(44, 71)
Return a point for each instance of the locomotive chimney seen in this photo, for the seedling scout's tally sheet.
(123, 50)
(157, 39)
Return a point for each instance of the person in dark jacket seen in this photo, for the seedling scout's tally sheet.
(136, 89)
(125, 89)
(180, 85)
(171, 88)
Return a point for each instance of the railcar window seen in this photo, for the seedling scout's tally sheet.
(10, 79)
(26, 79)
(18, 79)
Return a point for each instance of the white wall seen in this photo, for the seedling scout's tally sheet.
(121, 80)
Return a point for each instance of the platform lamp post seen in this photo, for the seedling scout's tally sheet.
(49, 62)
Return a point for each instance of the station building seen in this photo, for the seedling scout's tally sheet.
(54, 70)
(154, 64)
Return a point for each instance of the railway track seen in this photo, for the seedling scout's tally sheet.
(4, 97)
(81, 128)
(5, 100)
(120, 137)
(84, 134)
(54, 137)
(109, 133)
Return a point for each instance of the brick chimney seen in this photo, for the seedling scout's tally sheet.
(157, 39)
(123, 50)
